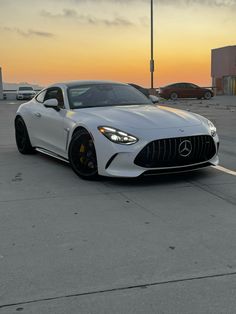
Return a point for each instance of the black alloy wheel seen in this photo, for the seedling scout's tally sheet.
(207, 95)
(22, 137)
(174, 96)
(82, 155)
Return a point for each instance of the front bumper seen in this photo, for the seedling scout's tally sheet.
(121, 163)
(27, 96)
(123, 166)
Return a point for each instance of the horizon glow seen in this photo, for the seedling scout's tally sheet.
(64, 40)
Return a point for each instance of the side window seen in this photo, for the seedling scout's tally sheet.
(177, 85)
(57, 94)
(40, 96)
(192, 86)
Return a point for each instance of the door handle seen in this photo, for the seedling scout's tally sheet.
(38, 115)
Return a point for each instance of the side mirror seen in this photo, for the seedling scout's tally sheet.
(154, 99)
(51, 103)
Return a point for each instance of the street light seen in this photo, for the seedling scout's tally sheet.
(152, 62)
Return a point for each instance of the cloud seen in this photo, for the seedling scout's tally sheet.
(87, 19)
(217, 3)
(3, 3)
(212, 3)
(29, 32)
(66, 13)
(118, 21)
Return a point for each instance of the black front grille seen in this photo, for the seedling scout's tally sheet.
(171, 152)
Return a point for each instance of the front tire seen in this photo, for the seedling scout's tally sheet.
(82, 155)
(174, 96)
(22, 137)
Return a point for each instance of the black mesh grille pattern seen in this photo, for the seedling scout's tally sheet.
(174, 152)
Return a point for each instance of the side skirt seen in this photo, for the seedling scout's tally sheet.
(51, 154)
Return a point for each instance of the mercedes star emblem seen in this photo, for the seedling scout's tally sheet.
(185, 148)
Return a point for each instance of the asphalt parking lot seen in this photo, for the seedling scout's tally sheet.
(162, 244)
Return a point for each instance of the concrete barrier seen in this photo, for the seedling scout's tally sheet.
(11, 94)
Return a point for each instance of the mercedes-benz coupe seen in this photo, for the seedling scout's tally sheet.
(112, 129)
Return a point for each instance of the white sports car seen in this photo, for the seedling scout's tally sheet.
(112, 129)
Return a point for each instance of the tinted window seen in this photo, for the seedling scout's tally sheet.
(100, 95)
(192, 86)
(183, 85)
(55, 93)
(40, 96)
(174, 86)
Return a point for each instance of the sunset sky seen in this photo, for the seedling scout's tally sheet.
(55, 40)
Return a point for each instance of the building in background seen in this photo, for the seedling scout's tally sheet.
(223, 70)
(1, 86)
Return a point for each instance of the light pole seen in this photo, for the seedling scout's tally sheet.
(152, 62)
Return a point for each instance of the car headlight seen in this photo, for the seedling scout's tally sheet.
(212, 128)
(117, 136)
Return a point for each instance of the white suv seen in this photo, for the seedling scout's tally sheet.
(25, 92)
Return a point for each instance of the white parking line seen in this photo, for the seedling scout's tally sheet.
(233, 173)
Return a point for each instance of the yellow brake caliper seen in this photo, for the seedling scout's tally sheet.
(82, 150)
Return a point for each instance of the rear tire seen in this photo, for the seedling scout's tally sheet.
(82, 155)
(174, 96)
(22, 137)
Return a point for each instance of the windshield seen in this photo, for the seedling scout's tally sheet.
(26, 88)
(101, 95)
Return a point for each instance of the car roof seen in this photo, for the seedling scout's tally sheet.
(169, 85)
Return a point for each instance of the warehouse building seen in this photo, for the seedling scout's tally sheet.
(223, 70)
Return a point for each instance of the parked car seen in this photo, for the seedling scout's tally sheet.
(111, 129)
(185, 90)
(25, 92)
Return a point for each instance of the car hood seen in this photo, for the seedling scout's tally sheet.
(143, 116)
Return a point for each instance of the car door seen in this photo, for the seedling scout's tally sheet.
(49, 123)
(183, 90)
(175, 88)
(192, 91)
